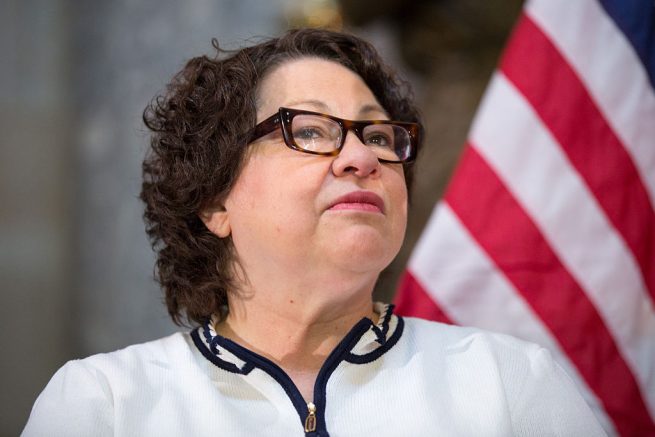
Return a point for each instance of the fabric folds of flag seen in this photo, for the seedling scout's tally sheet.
(547, 229)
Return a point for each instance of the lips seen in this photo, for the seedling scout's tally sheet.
(359, 201)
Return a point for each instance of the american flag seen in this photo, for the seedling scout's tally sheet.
(547, 229)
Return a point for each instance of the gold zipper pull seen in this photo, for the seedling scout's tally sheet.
(310, 421)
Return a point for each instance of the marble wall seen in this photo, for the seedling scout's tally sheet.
(75, 265)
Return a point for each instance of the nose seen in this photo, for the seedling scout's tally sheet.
(356, 158)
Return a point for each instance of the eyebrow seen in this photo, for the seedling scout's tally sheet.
(322, 106)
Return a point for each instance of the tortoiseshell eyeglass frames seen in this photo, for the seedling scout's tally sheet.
(322, 134)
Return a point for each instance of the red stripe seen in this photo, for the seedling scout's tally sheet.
(488, 210)
(412, 300)
(535, 66)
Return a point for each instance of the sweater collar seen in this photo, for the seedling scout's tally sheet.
(365, 342)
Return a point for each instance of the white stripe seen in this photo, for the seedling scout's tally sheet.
(526, 157)
(610, 68)
(457, 273)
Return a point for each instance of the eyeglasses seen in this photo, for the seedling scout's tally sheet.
(321, 134)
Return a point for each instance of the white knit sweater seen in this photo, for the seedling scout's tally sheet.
(403, 377)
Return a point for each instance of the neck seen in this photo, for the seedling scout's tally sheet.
(297, 330)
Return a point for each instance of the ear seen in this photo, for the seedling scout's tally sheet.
(217, 220)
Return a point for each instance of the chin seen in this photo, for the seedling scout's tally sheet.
(365, 254)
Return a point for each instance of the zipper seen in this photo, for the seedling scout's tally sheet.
(310, 420)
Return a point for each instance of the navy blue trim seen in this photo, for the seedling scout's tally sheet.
(252, 360)
(636, 19)
(210, 341)
(377, 353)
(230, 367)
(211, 349)
(381, 334)
(331, 363)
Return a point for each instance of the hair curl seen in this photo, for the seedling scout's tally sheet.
(198, 141)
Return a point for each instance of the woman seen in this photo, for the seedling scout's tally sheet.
(276, 192)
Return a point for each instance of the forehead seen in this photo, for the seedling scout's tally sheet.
(316, 84)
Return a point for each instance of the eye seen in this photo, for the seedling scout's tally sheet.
(309, 133)
(379, 139)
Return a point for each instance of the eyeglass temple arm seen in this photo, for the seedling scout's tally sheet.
(264, 128)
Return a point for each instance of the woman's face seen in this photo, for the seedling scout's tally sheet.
(290, 211)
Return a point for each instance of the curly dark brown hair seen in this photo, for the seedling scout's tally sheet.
(198, 141)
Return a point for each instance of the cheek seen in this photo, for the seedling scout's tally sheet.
(398, 193)
(275, 198)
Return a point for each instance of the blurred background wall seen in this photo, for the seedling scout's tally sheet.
(75, 266)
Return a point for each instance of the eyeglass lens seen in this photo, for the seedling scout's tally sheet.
(319, 134)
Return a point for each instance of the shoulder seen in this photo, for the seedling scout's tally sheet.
(62, 407)
(521, 376)
(443, 337)
(164, 351)
(79, 399)
(479, 351)
(142, 363)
